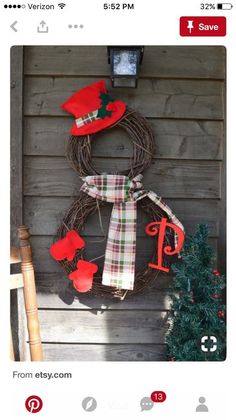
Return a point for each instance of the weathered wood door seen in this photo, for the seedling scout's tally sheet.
(181, 92)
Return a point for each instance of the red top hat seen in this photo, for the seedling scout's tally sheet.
(93, 109)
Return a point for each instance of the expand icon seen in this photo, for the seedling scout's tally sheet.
(208, 343)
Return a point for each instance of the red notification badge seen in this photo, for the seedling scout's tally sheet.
(158, 396)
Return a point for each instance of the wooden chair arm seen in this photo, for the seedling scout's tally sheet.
(30, 295)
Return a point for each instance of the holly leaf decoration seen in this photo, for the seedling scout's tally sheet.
(103, 112)
(105, 98)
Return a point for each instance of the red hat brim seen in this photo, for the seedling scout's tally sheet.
(100, 124)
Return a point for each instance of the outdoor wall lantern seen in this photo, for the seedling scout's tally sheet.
(125, 63)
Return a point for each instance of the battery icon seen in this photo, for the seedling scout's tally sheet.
(224, 6)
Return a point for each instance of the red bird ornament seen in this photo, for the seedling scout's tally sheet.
(66, 248)
(83, 277)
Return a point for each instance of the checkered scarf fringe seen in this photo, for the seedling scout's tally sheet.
(119, 265)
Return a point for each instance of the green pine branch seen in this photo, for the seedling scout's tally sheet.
(197, 307)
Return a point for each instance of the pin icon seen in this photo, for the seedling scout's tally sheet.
(190, 26)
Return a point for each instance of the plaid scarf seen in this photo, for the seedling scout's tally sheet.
(87, 119)
(119, 265)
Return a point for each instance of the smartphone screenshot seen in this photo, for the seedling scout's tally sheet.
(117, 153)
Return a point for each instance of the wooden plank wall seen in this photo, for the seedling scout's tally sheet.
(18, 317)
(181, 92)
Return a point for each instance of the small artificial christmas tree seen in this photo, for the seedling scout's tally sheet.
(197, 310)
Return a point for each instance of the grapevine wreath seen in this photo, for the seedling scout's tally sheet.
(94, 110)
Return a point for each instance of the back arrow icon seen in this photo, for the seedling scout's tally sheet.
(13, 26)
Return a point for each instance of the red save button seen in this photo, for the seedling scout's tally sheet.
(202, 26)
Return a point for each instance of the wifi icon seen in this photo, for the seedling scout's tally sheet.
(61, 5)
